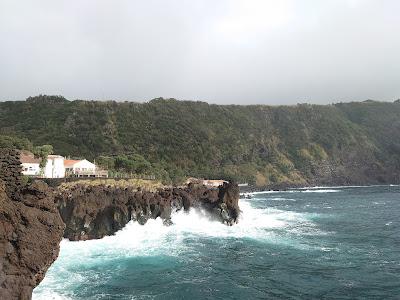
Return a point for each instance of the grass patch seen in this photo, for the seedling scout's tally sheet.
(148, 185)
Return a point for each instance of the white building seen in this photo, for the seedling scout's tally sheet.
(54, 167)
(76, 166)
(59, 167)
(83, 168)
(213, 183)
(206, 182)
(30, 164)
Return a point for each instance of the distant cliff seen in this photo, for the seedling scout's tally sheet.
(345, 143)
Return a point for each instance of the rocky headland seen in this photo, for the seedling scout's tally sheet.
(35, 217)
(92, 212)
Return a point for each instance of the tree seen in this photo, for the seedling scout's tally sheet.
(42, 152)
(15, 142)
(132, 163)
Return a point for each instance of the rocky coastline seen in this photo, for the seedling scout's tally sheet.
(92, 212)
(34, 218)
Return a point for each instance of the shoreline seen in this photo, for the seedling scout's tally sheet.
(253, 189)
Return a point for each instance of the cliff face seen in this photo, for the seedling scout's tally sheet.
(30, 230)
(92, 212)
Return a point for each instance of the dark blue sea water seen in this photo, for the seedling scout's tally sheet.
(322, 243)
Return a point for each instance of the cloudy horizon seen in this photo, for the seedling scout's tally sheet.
(228, 51)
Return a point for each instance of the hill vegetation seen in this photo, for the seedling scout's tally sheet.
(345, 143)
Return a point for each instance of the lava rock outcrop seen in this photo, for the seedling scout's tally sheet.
(30, 230)
(33, 218)
(92, 212)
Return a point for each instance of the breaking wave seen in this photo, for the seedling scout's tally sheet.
(308, 190)
(268, 225)
(282, 239)
(319, 191)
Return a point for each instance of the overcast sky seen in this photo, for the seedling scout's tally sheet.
(219, 51)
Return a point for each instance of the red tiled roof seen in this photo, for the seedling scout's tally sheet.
(70, 162)
(28, 158)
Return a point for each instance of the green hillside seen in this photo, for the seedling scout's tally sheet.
(346, 143)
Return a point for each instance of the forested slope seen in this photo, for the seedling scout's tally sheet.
(346, 143)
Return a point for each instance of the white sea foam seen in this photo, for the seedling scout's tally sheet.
(320, 191)
(317, 189)
(279, 199)
(308, 190)
(49, 295)
(259, 193)
(344, 186)
(153, 239)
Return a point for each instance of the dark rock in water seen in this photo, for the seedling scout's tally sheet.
(167, 222)
(229, 198)
(30, 231)
(92, 212)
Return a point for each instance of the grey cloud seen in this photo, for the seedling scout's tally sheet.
(227, 51)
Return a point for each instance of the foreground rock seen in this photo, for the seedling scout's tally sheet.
(30, 230)
(92, 212)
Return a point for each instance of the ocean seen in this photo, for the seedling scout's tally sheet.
(315, 243)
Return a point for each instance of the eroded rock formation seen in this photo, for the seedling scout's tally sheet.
(33, 218)
(92, 212)
(30, 230)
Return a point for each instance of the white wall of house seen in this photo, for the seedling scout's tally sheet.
(54, 167)
(84, 166)
(30, 169)
(213, 183)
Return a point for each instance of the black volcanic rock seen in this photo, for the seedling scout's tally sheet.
(30, 231)
(10, 172)
(92, 212)
(33, 218)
